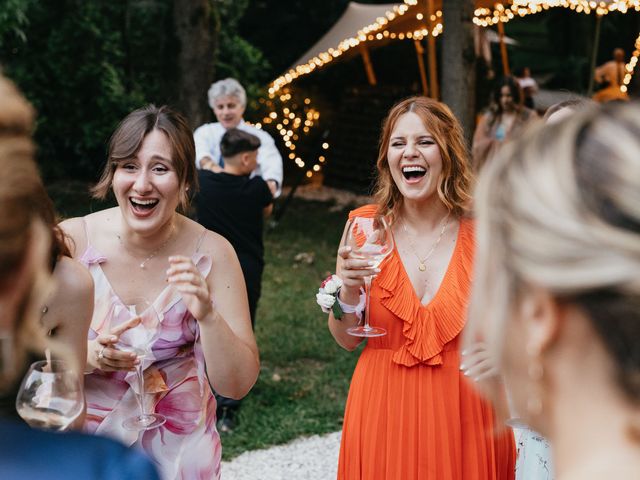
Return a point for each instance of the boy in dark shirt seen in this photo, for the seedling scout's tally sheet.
(234, 205)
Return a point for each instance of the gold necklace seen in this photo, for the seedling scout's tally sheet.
(154, 253)
(422, 261)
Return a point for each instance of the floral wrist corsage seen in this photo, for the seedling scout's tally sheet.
(327, 295)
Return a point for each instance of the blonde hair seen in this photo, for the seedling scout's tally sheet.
(454, 184)
(560, 208)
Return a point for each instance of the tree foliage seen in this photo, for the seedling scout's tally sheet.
(85, 64)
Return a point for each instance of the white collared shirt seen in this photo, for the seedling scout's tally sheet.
(207, 139)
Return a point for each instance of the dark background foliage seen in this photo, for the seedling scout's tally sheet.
(84, 64)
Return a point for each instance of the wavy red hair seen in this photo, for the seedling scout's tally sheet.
(455, 182)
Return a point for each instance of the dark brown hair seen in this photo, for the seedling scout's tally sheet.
(235, 141)
(454, 184)
(127, 140)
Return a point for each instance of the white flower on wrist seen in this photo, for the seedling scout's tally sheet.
(333, 284)
(327, 293)
(325, 300)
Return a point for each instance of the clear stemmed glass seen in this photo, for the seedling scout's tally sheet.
(138, 340)
(370, 239)
(50, 396)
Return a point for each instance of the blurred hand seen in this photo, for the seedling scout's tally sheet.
(477, 363)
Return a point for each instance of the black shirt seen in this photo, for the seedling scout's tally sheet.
(232, 205)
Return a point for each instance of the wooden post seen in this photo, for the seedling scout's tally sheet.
(503, 51)
(594, 55)
(431, 46)
(368, 66)
(423, 73)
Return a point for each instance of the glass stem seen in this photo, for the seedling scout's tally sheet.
(143, 409)
(367, 295)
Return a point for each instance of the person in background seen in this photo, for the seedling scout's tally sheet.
(202, 334)
(233, 204)
(528, 85)
(411, 414)
(228, 100)
(557, 286)
(610, 77)
(25, 284)
(504, 121)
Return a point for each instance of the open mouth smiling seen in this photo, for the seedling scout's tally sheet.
(140, 205)
(413, 173)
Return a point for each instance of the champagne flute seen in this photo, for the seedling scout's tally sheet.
(50, 396)
(137, 340)
(370, 238)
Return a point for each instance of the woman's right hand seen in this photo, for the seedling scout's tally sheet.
(103, 354)
(352, 272)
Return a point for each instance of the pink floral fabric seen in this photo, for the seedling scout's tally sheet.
(187, 446)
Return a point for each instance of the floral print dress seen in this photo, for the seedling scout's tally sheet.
(187, 446)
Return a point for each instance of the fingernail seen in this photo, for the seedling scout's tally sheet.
(113, 338)
(462, 366)
(377, 270)
(464, 352)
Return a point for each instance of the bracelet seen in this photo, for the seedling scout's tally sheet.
(357, 309)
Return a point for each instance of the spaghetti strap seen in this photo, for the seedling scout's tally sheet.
(204, 231)
(86, 232)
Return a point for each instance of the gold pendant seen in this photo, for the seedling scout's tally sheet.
(422, 267)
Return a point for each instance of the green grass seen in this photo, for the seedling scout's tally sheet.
(304, 375)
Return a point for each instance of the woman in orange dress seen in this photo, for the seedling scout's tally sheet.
(411, 413)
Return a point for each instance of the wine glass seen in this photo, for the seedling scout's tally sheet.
(370, 238)
(50, 396)
(138, 340)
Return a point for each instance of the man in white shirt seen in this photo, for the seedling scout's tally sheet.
(228, 100)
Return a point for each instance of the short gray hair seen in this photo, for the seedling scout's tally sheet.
(227, 87)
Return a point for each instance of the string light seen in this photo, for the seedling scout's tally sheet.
(297, 121)
(521, 8)
(631, 66)
(379, 30)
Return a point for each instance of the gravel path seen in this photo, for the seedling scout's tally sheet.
(310, 458)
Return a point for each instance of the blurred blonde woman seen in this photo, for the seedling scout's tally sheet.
(557, 286)
(25, 255)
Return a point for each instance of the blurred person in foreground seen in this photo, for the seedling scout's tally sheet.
(411, 414)
(25, 283)
(228, 100)
(191, 276)
(556, 296)
(505, 120)
(234, 204)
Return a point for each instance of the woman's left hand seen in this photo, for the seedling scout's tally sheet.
(187, 279)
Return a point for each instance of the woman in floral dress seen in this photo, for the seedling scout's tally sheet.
(202, 334)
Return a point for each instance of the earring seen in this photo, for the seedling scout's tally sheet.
(536, 373)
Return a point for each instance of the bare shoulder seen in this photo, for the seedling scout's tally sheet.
(212, 244)
(73, 278)
(76, 228)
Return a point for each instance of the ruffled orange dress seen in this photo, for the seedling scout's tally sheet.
(411, 414)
